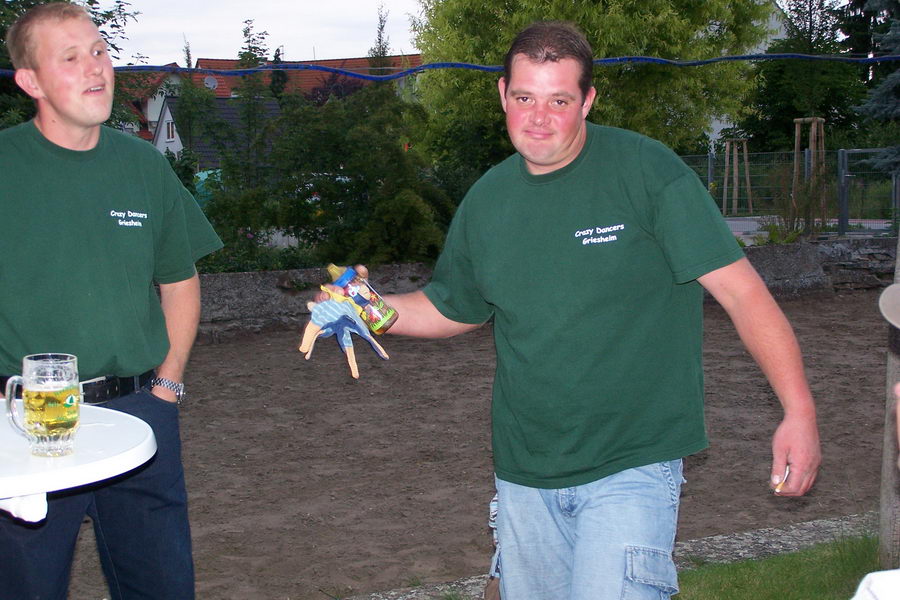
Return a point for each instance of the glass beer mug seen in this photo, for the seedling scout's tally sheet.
(50, 398)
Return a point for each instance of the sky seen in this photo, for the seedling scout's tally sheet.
(304, 29)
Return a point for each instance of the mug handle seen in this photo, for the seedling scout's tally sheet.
(12, 412)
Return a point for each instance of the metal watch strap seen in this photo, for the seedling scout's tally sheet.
(178, 388)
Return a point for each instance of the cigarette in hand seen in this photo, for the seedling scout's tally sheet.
(787, 471)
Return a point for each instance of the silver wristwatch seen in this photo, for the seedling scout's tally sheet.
(178, 388)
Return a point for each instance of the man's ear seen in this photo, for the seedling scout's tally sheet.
(501, 87)
(588, 101)
(27, 80)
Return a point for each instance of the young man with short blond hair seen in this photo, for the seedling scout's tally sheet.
(94, 219)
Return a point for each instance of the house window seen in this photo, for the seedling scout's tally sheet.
(170, 131)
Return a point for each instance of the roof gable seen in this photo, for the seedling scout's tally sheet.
(227, 117)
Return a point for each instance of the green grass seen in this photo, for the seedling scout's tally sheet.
(823, 572)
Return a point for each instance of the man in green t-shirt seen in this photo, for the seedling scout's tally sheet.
(93, 220)
(589, 250)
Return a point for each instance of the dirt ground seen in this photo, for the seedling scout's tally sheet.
(306, 484)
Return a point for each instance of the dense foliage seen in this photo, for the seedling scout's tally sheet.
(466, 133)
(341, 177)
(789, 89)
(883, 103)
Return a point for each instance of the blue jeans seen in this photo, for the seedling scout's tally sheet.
(140, 521)
(610, 539)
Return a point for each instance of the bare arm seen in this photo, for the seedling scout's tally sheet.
(418, 317)
(769, 338)
(181, 308)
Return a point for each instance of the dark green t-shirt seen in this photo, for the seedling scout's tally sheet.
(589, 275)
(85, 236)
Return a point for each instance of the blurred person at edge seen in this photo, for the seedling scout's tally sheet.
(885, 585)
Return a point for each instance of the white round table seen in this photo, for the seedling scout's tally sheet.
(107, 443)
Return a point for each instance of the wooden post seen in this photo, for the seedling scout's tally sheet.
(733, 147)
(747, 178)
(725, 181)
(817, 157)
(734, 181)
(820, 167)
(795, 183)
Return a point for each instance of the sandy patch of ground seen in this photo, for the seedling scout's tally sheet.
(305, 483)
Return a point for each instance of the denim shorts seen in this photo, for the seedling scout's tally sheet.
(610, 539)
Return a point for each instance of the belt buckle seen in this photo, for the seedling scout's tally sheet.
(81, 384)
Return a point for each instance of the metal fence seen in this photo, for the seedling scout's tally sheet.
(851, 197)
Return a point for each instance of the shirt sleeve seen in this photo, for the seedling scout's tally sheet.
(186, 234)
(686, 222)
(454, 289)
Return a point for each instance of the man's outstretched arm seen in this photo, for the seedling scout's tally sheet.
(770, 339)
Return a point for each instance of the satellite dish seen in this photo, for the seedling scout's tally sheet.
(210, 82)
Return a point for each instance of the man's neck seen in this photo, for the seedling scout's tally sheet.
(80, 139)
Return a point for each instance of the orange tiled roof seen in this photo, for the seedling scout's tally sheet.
(299, 80)
(145, 86)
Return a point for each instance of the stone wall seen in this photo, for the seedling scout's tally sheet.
(250, 302)
(826, 266)
(859, 263)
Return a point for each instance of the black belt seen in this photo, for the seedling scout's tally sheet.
(103, 389)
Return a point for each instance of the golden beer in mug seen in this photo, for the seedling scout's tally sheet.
(50, 399)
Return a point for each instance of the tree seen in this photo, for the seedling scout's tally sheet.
(351, 185)
(184, 164)
(194, 107)
(242, 204)
(333, 85)
(669, 103)
(341, 86)
(15, 106)
(861, 28)
(381, 50)
(883, 102)
(194, 114)
(278, 80)
(793, 88)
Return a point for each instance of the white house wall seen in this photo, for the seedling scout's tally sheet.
(161, 140)
(155, 103)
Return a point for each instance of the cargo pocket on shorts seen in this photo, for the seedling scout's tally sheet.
(649, 574)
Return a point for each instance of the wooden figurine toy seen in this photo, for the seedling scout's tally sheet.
(339, 317)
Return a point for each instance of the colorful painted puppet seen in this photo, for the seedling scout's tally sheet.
(338, 316)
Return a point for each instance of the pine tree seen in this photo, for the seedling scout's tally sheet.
(883, 102)
(279, 79)
(861, 28)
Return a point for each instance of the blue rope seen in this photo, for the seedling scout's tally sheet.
(492, 69)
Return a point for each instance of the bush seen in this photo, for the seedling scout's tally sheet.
(800, 212)
(247, 251)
